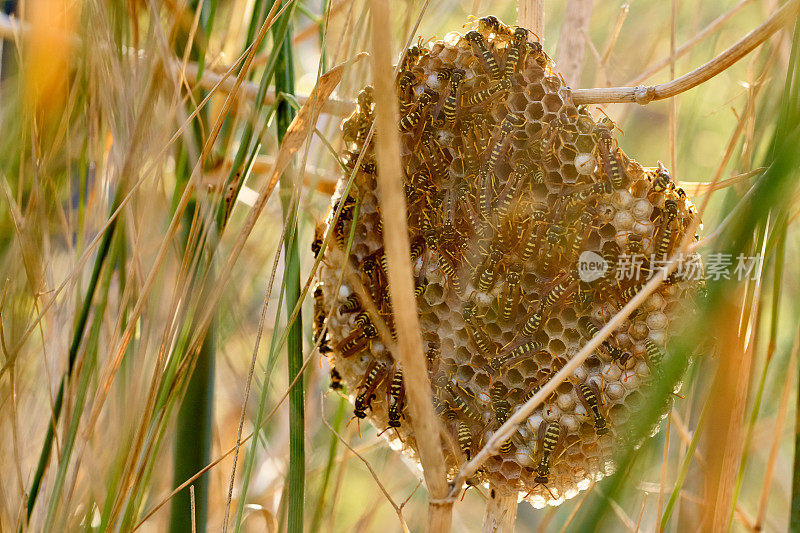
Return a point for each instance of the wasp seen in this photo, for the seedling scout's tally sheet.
(350, 305)
(654, 357)
(412, 118)
(536, 51)
(611, 160)
(580, 228)
(509, 298)
(448, 269)
(485, 185)
(537, 386)
(451, 102)
(348, 206)
(554, 236)
(557, 292)
(319, 237)
(522, 351)
(437, 159)
(662, 180)
(405, 84)
(413, 53)
(366, 100)
(374, 270)
(419, 289)
(397, 393)
(516, 52)
(357, 340)
(482, 95)
(460, 403)
(480, 48)
(549, 437)
(448, 211)
(591, 331)
(416, 250)
(588, 192)
(362, 320)
(479, 337)
(502, 408)
(336, 380)
(487, 276)
(631, 291)
(510, 189)
(421, 186)
(373, 377)
(465, 439)
(491, 24)
(368, 164)
(532, 241)
(531, 325)
(510, 123)
(634, 244)
(589, 396)
(670, 214)
(547, 142)
(444, 409)
(319, 333)
(356, 126)
(432, 358)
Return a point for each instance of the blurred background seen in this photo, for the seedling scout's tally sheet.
(145, 291)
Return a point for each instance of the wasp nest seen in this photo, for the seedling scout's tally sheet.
(521, 209)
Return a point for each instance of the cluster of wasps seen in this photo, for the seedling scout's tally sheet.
(507, 185)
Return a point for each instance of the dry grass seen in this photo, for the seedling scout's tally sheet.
(135, 142)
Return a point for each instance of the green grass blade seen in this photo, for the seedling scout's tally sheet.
(284, 83)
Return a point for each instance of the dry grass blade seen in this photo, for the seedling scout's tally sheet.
(769, 471)
(645, 94)
(401, 286)
(691, 43)
(250, 89)
(728, 401)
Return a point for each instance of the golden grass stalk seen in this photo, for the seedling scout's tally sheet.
(530, 14)
(401, 285)
(572, 41)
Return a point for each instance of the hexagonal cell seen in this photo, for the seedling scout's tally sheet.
(552, 103)
(517, 103)
(584, 143)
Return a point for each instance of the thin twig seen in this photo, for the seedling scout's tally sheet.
(192, 508)
(623, 14)
(397, 509)
(688, 45)
(642, 94)
(664, 467)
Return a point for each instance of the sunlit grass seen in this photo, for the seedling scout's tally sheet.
(124, 272)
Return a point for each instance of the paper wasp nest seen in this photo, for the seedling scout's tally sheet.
(521, 212)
